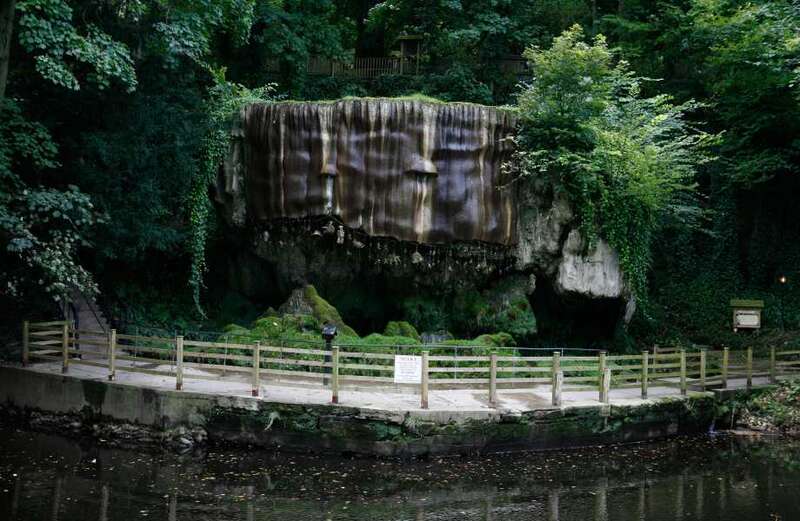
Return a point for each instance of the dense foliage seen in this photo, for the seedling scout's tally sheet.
(625, 161)
(42, 227)
(114, 114)
(223, 106)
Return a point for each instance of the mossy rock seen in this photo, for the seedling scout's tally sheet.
(376, 339)
(287, 326)
(402, 329)
(306, 301)
(500, 339)
(236, 329)
(507, 309)
(275, 327)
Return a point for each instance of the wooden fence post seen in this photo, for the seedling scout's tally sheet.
(683, 372)
(558, 383)
(773, 375)
(26, 338)
(424, 381)
(702, 369)
(605, 391)
(335, 374)
(178, 362)
(645, 363)
(749, 367)
(725, 359)
(655, 358)
(601, 367)
(256, 368)
(555, 384)
(112, 355)
(493, 378)
(65, 347)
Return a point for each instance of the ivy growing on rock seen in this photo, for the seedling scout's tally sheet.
(224, 105)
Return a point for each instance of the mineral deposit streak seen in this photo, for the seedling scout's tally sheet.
(412, 170)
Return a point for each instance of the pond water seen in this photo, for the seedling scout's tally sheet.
(719, 477)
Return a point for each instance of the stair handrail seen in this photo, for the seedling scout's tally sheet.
(90, 303)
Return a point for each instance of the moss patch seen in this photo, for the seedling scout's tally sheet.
(506, 308)
(323, 311)
(401, 328)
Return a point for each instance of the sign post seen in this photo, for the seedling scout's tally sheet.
(407, 369)
(746, 314)
(412, 369)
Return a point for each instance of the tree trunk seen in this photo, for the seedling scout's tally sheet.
(6, 28)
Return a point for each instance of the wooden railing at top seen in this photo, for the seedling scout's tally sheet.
(363, 67)
(375, 66)
(356, 366)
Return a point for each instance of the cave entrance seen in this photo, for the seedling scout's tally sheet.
(567, 320)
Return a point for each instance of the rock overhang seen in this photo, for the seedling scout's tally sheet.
(353, 174)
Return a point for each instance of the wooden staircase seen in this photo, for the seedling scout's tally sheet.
(86, 316)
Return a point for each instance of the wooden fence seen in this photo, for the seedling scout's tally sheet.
(357, 366)
(363, 67)
(375, 66)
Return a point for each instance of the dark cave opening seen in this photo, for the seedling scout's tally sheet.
(369, 291)
(572, 320)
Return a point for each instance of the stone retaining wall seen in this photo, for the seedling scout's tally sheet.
(128, 415)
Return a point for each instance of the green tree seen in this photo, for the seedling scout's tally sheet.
(59, 47)
(46, 218)
(625, 161)
(749, 54)
(42, 228)
(465, 44)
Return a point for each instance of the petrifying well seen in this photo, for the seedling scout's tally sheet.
(415, 171)
(404, 195)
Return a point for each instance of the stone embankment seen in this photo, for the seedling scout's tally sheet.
(146, 412)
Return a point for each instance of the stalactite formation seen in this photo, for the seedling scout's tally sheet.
(378, 201)
(411, 170)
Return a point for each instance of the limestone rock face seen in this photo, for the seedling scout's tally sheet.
(595, 274)
(401, 195)
(549, 244)
(544, 219)
(416, 171)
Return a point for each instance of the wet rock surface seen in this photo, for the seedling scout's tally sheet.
(105, 430)
(423, 172)
(398, 197)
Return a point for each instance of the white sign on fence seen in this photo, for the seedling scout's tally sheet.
(407, 369)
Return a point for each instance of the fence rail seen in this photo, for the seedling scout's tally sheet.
(356, 366)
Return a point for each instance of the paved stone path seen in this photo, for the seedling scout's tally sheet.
(443, 404)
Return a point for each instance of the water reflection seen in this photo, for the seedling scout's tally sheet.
(47, 477)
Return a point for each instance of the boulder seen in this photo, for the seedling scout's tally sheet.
(306, 301)
(401, 328)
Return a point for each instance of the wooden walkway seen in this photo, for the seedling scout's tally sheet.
(489, 376)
